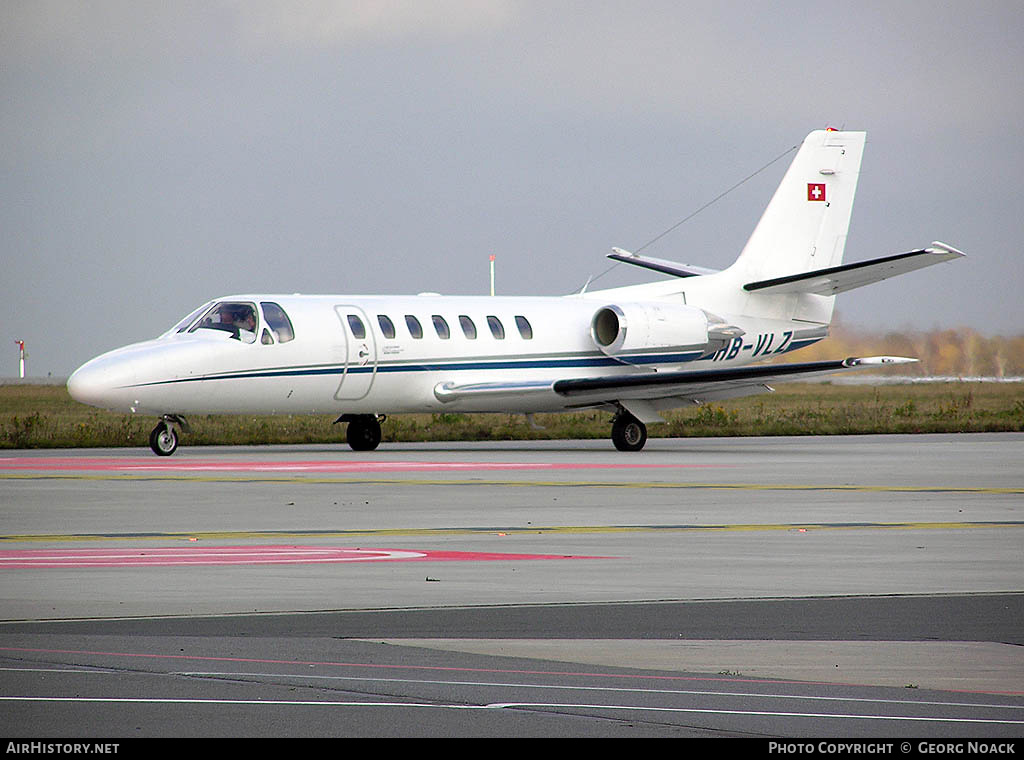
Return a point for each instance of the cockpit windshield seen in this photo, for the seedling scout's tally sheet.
(187, 321)
(236, 318)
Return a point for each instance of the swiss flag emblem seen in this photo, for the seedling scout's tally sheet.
(815, 191)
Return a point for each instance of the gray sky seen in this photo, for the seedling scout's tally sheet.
(158, 154)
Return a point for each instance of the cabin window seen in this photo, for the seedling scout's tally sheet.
(357, 327)
(468, 328)
(415, 330)
(441, 327)
(524, 328)
(236, 318)
(497, 329)
(386, 326)
(278, 321)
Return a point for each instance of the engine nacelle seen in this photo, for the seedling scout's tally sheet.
(627, 328)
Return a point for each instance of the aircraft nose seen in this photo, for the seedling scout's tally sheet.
(86, 385)
(100, 382)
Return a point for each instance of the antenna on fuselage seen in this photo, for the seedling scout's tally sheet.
(492, 274)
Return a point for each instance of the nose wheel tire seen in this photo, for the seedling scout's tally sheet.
(163, 440)
(628, 433)
(363, 434)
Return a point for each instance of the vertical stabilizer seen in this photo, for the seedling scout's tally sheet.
(804, 227)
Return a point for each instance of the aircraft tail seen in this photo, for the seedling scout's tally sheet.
(804, 227)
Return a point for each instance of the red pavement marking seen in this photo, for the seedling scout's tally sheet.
(130, 464)
(241, 555)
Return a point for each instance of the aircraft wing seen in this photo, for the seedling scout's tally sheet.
(708, 384)
(696, 385)
(828, 282)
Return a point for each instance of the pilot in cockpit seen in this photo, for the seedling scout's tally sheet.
(245, 321)
(226, 316)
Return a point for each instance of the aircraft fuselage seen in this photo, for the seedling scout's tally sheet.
(372, 354)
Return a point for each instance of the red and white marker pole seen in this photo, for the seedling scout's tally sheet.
(21, 357)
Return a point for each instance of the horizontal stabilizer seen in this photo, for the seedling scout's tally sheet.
(659, 265)
(828, 282)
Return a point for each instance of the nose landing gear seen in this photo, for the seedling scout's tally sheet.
(164, 438)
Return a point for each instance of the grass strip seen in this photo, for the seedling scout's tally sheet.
(45, 416)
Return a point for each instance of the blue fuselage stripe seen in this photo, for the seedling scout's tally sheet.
(527, 364)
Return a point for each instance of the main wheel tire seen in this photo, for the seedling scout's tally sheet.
(363, 434)
(628, 433)
(163, 440)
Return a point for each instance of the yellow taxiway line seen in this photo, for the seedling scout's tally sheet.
(507, 483)
(504, 531)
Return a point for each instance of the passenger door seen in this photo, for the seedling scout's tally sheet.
(361, 352)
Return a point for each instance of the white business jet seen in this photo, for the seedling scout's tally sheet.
(634, 351)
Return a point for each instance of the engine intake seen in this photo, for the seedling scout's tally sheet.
(647, 328)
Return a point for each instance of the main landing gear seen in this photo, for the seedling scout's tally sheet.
(164, 438)
(628, 433)
(363, 432)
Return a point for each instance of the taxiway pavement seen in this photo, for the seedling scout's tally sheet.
(888, 567)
